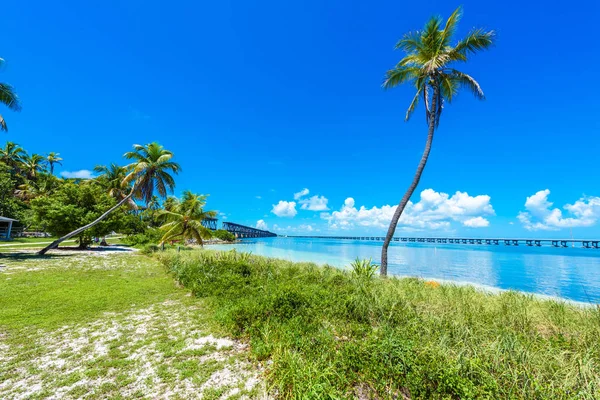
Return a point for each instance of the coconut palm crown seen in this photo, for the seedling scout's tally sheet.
(9, 98)
(150, 171)
(53, 158)
(428, 66)
(185, 220)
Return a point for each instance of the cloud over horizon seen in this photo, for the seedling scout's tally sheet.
(540, 215)
(434, 210)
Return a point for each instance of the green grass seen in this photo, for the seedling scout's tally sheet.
(335, 334)
(50, 298)
(39, 243)
(106, 326)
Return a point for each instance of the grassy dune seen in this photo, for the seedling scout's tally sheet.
(326, 333)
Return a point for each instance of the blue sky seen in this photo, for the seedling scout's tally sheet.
(259, 100)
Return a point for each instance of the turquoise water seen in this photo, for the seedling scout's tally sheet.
(570, 273)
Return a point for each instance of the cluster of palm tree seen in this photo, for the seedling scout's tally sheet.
(143, 182)
(30, 165)
(428, 66)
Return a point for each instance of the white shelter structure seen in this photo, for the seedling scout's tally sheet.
(6, 227)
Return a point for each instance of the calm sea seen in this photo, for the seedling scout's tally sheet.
(570, 273)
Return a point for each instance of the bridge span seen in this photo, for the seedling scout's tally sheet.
(243, 232)
(585, 243)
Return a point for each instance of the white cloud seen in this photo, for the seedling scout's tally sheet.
(261, 224)
(433, 211)
(301, 193)
(81, 174)
(476, 222)
(259, 197)
(315, 203)
(285, 209)
(540, 215)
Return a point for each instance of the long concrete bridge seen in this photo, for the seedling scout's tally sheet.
(585, 243)
(240, 231)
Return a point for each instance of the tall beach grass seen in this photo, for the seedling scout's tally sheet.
(324, 333)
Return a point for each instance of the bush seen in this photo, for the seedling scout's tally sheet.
(224, 235)
(150, 236)
(347, 334)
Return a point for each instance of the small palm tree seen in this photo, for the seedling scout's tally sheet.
(150, 172)
(32, 189)
(185, 221)
(53, 158)
(112, 178)
(427, 66)
(9, 98)
(12, 155)
(32, 164)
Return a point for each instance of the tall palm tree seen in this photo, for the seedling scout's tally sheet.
(185, 221)
(12, 154)
(53, 158)
(150, 172)
(32, 164)
(428, 66)
(9, 98)
(112, 178)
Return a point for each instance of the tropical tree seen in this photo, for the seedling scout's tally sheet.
(112, 179)
(33, 188)
(53, 158)
(427, 65)
(150, 171)
(12, 155)
(9, 98)
(32, 164)
(185, 221)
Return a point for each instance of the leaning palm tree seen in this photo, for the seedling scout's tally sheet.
(9, 98)
(53, 158)
(428, 66)
(185, 221)
(12, 154)
(151, 170)
(112, 178)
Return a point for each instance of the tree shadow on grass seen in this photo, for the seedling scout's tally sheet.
(31, 255)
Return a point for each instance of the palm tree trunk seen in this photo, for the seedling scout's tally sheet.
(76, 232)
(413, 185)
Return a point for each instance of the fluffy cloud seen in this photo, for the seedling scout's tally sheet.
(261, 224)
(433, 211)
(477, 222)
(285, 209)
(541, 216)
(81, 174)
(301, 193)
(314, 203)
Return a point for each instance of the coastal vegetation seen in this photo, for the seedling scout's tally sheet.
(428, 66)
(131, 200)
(326, 333)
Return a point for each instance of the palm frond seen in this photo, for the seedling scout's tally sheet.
(9, 97)
(476, 40)
(3, 126)
(413, 104)
(468, 82)
(410, 42)
(397, 76)
(451, 25)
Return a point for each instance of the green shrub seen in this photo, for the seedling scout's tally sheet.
(150, 236)
(224, 235)
(149, 249)
(345, 334)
